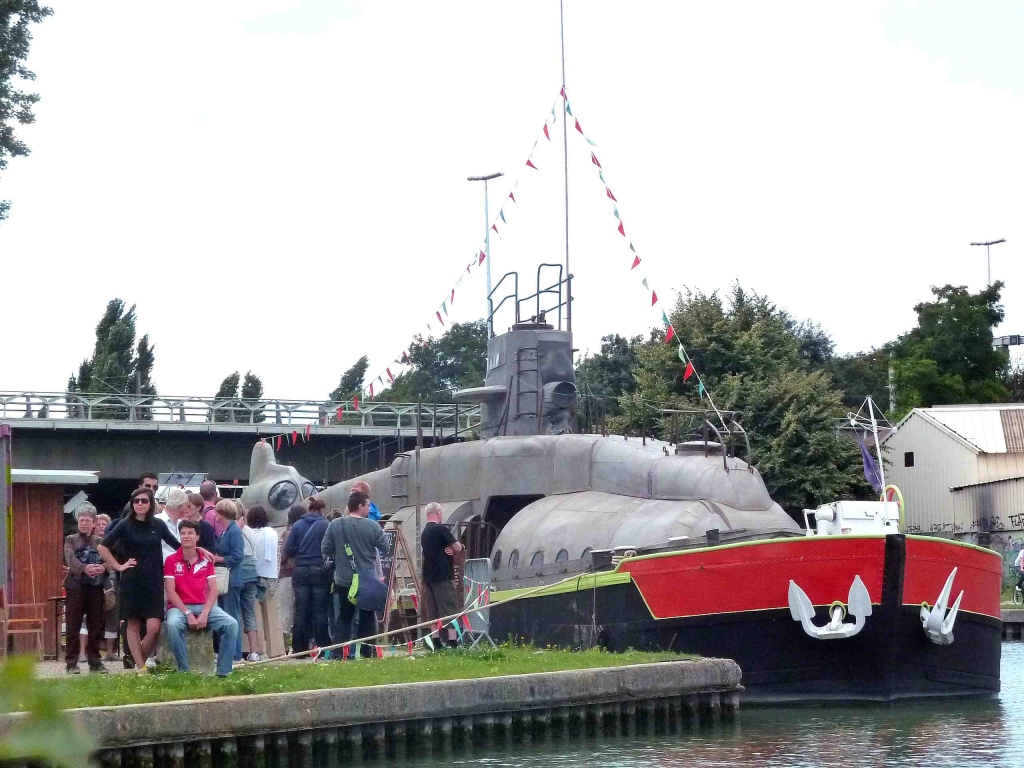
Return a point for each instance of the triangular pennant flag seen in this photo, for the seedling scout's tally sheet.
(622, 229)
(345, 652)
(553, 118)
(631, 247)
(380, 651)
(591, 143)
(644, 284)
(444, 306)
(600, 175)
(615, 213)
(495, 228)
(567, 108)
(512, 195)
(450, 301)
(439, 318)
(465, 622)
(278, 442)
(390, 377)
(295, 437)
(502, 214)
(315, 653)
(636, 262)
(469, 265)
(546, 134)
(340, 410)
(682, 355)
(409, 645)
(664, 318)
(381, 378)
(595, 161)
(562, 93)
(531, 165)
(670, 334)
(654, 298)
(355, 402)
(689, 370)
(371, 390)
(579, 129)
(309, 431)
(608, 191)
(700, 389)
(482, 257)
(357, 652)
(429, 643)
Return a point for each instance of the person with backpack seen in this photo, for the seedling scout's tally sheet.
(308, 582)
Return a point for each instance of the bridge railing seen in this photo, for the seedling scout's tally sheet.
(212, 410)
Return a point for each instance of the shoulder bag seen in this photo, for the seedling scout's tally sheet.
(367, 593)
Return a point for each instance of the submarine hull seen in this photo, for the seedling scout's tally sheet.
(732, 602)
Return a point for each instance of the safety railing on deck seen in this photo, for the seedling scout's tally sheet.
(443, 417)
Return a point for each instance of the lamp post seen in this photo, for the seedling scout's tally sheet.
(487, 236)
(988, 257)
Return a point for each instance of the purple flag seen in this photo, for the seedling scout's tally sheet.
(871, 473)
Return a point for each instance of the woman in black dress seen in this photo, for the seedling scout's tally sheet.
(142, 573)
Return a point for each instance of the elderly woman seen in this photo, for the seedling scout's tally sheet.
(142, 573)
(84, 589)
(229, 552)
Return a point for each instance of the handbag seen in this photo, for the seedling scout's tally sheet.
(223, 577)
(367, 593)
(109, 598)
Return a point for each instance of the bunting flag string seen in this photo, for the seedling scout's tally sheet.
(478, 258)
(671, 335)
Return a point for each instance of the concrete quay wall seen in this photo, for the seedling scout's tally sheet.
(337, 725)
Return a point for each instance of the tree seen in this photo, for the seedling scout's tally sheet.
(228, 391)
(1013, 380)
(351, 381)
(15, 104)
(860, 375)
(117, 365)
(252, 389)
(608, 374)
(948, 357)
(755, 358)
(457, 360)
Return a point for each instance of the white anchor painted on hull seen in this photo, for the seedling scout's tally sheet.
(859, 606)
(938, 625)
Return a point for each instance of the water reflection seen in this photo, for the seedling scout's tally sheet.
(936, 734)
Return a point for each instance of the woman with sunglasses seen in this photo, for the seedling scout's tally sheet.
(142, 573)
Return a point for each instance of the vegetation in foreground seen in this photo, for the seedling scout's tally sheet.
(111, 690)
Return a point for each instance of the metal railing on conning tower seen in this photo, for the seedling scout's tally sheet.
(190, 409)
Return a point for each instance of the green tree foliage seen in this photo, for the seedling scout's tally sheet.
(15, 104)
(601, 378)
(351, 381)
(457, 360)
(948, 357)
(235, 409)
(757, 359)
(46, 735)
(860, 375)
(1013, 380)
(117, 365)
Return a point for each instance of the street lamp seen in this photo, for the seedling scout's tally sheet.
(487, 236)
(987, 244)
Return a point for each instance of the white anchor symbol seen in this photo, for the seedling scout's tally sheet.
(938, 625)
(859, 602)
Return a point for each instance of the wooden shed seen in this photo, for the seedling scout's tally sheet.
(35, 543)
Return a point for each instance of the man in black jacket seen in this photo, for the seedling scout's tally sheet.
(312, 596)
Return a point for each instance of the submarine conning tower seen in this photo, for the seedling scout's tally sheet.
(530, 385)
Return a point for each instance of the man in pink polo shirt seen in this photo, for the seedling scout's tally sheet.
(191, 587)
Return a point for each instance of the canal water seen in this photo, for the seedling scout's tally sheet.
(935, 734)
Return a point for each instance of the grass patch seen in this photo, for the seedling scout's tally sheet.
(111, 690)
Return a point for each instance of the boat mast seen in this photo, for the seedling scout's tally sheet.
(878, 450)
(565, 151)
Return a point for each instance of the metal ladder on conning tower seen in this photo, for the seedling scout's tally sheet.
(525, 357)
(400, 489)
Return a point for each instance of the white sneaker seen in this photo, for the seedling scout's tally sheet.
(150, 663)
(253, 657)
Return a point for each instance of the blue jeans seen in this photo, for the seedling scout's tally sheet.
(218, 622)
(247, 602)
(231, 603)
(312, 606)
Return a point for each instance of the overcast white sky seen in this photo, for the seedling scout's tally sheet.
(280, 185)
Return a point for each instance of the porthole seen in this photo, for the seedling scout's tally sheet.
(586, 552)
(513, 560)
(562, 556)
(496, 561)
(308, 489)
(283, 494)
(537, 559)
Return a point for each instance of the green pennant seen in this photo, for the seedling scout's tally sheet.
(444, 306)
(601, 174)
(700, 389)
(591, 143)
(632, 248)
(567, 108)
(616, 212)
(644, 281)
(664, 317)
(682, 355)
(502, 214)
(428, 642)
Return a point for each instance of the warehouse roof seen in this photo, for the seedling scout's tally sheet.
(989, 428)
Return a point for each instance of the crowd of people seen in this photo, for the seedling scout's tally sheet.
(207, 563)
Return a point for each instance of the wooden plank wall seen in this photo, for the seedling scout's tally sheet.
(37, 553)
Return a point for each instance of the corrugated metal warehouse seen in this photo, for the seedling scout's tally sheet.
(961, 471)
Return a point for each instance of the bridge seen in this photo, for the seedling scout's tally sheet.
(123, 435)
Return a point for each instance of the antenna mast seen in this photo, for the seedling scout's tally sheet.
(565, 150)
